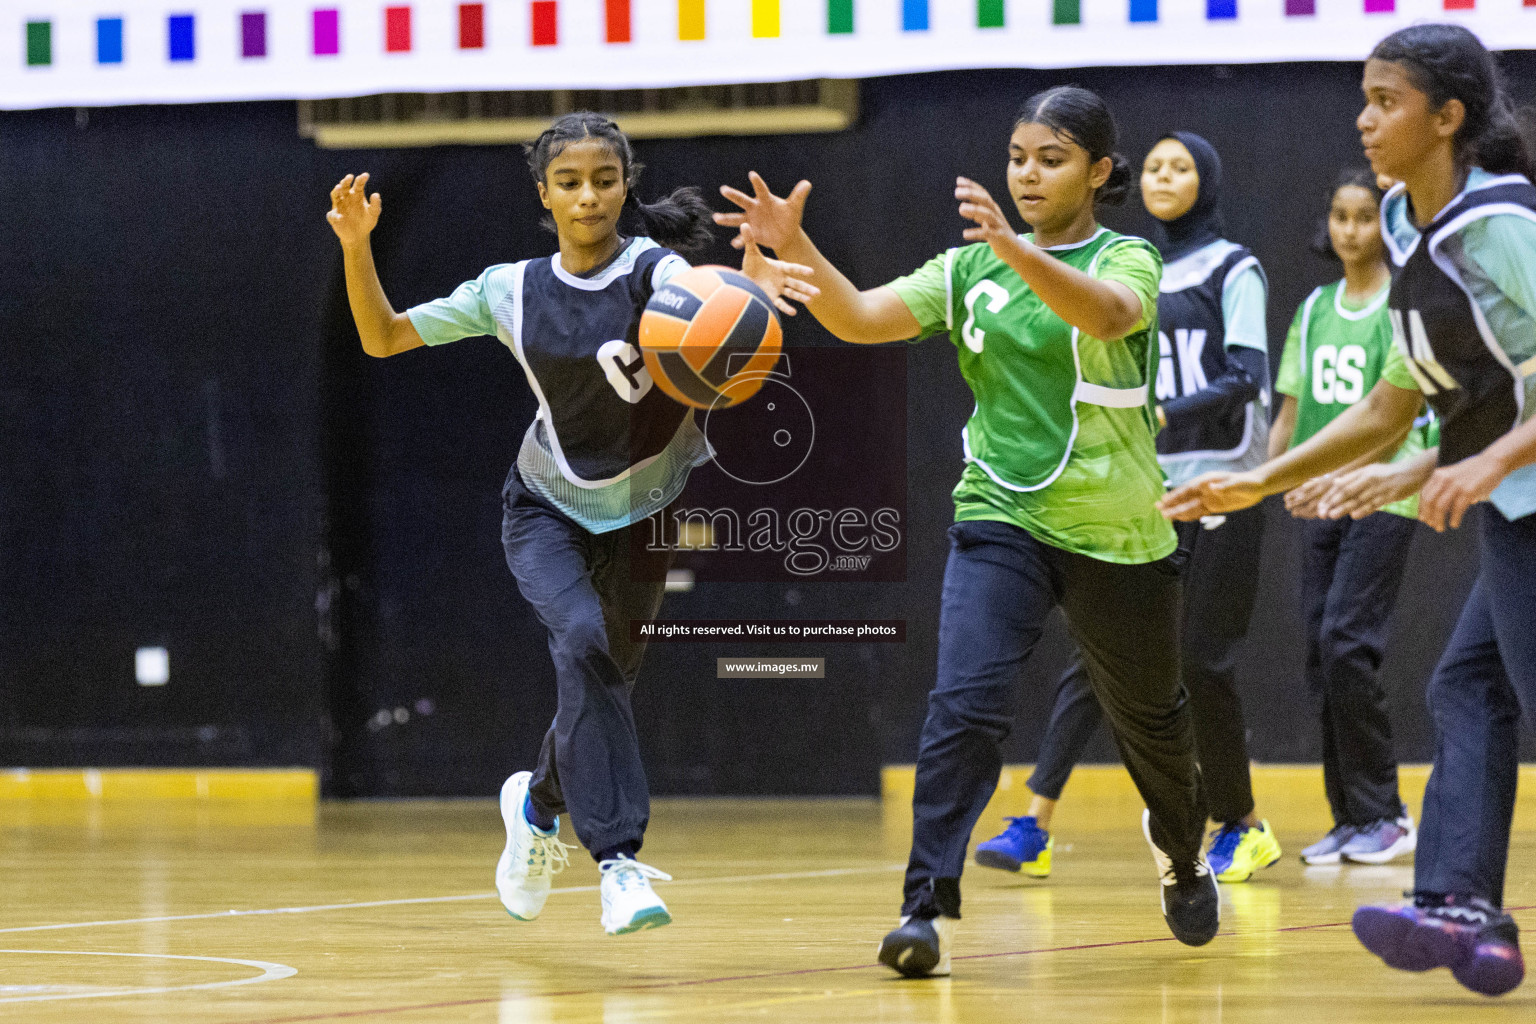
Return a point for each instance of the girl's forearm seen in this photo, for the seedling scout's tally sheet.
(1362, 430)
(383, 331)
(1516, 449)
(1416, 471)
(865, 317)
(1100, 309)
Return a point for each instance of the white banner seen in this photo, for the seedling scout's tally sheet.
(91, 52)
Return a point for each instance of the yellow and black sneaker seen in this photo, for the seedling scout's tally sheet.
(1237, 852)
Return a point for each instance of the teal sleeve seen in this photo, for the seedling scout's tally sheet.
(467, 313)
(1137, 266)
(1502, 250)
(1288, 378)
(926, 291)
(1243, 313)
(667, 269)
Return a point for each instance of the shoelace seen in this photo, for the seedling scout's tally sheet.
(1188, 872)
(547, 854)
(628, 873)
(1017, 824)
(1472, 911)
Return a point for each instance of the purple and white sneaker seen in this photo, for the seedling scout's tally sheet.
(1326, 850)
(1476, 940)
(1381, 842)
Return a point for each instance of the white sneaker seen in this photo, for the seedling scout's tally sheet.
(629, 902)
(531, 858)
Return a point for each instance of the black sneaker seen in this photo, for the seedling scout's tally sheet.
(919, 947)
(1191, 903)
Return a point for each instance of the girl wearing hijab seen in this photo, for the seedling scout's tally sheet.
(1212, 394)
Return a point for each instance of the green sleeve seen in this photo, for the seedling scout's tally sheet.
(1136, 265)
(464, 314)
(927, 291)
(1288, 380)
(1395, 369)
(1243, 312)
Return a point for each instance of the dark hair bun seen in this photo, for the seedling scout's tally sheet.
(1118, 185)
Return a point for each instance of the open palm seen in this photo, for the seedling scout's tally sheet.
(353, 212)
(775, 220)
(779, 280)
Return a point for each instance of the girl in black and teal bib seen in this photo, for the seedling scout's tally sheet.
(1462, 230)
(605, 450)
(1056, 334)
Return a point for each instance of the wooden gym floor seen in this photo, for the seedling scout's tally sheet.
(210, 913)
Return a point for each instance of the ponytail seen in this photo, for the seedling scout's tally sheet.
(679, 221)
(1508, 144)
(1447, 62)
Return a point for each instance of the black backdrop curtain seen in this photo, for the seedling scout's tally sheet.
(198, 455)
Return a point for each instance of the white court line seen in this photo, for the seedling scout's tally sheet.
(318, 908)
(269, 972)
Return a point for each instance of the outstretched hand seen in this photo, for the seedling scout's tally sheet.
(1362, 491)
(780, 280)
(775, 221)
(353, 212)
(1454, 489)
(1212, 494)
(992, 226)
(1302, 501)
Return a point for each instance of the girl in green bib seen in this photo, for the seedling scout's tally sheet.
(1351, 569)
(1056, 334)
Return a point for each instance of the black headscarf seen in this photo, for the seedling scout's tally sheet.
(1201, 224)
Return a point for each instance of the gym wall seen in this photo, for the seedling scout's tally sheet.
(199, 456)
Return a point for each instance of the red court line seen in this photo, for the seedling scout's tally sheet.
(382, 1010)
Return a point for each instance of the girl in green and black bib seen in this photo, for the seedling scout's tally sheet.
(1351, 569)
(1056, 333)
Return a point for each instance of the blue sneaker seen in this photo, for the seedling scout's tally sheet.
(1022, 846)
(1224, 842)
(1237, 851)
